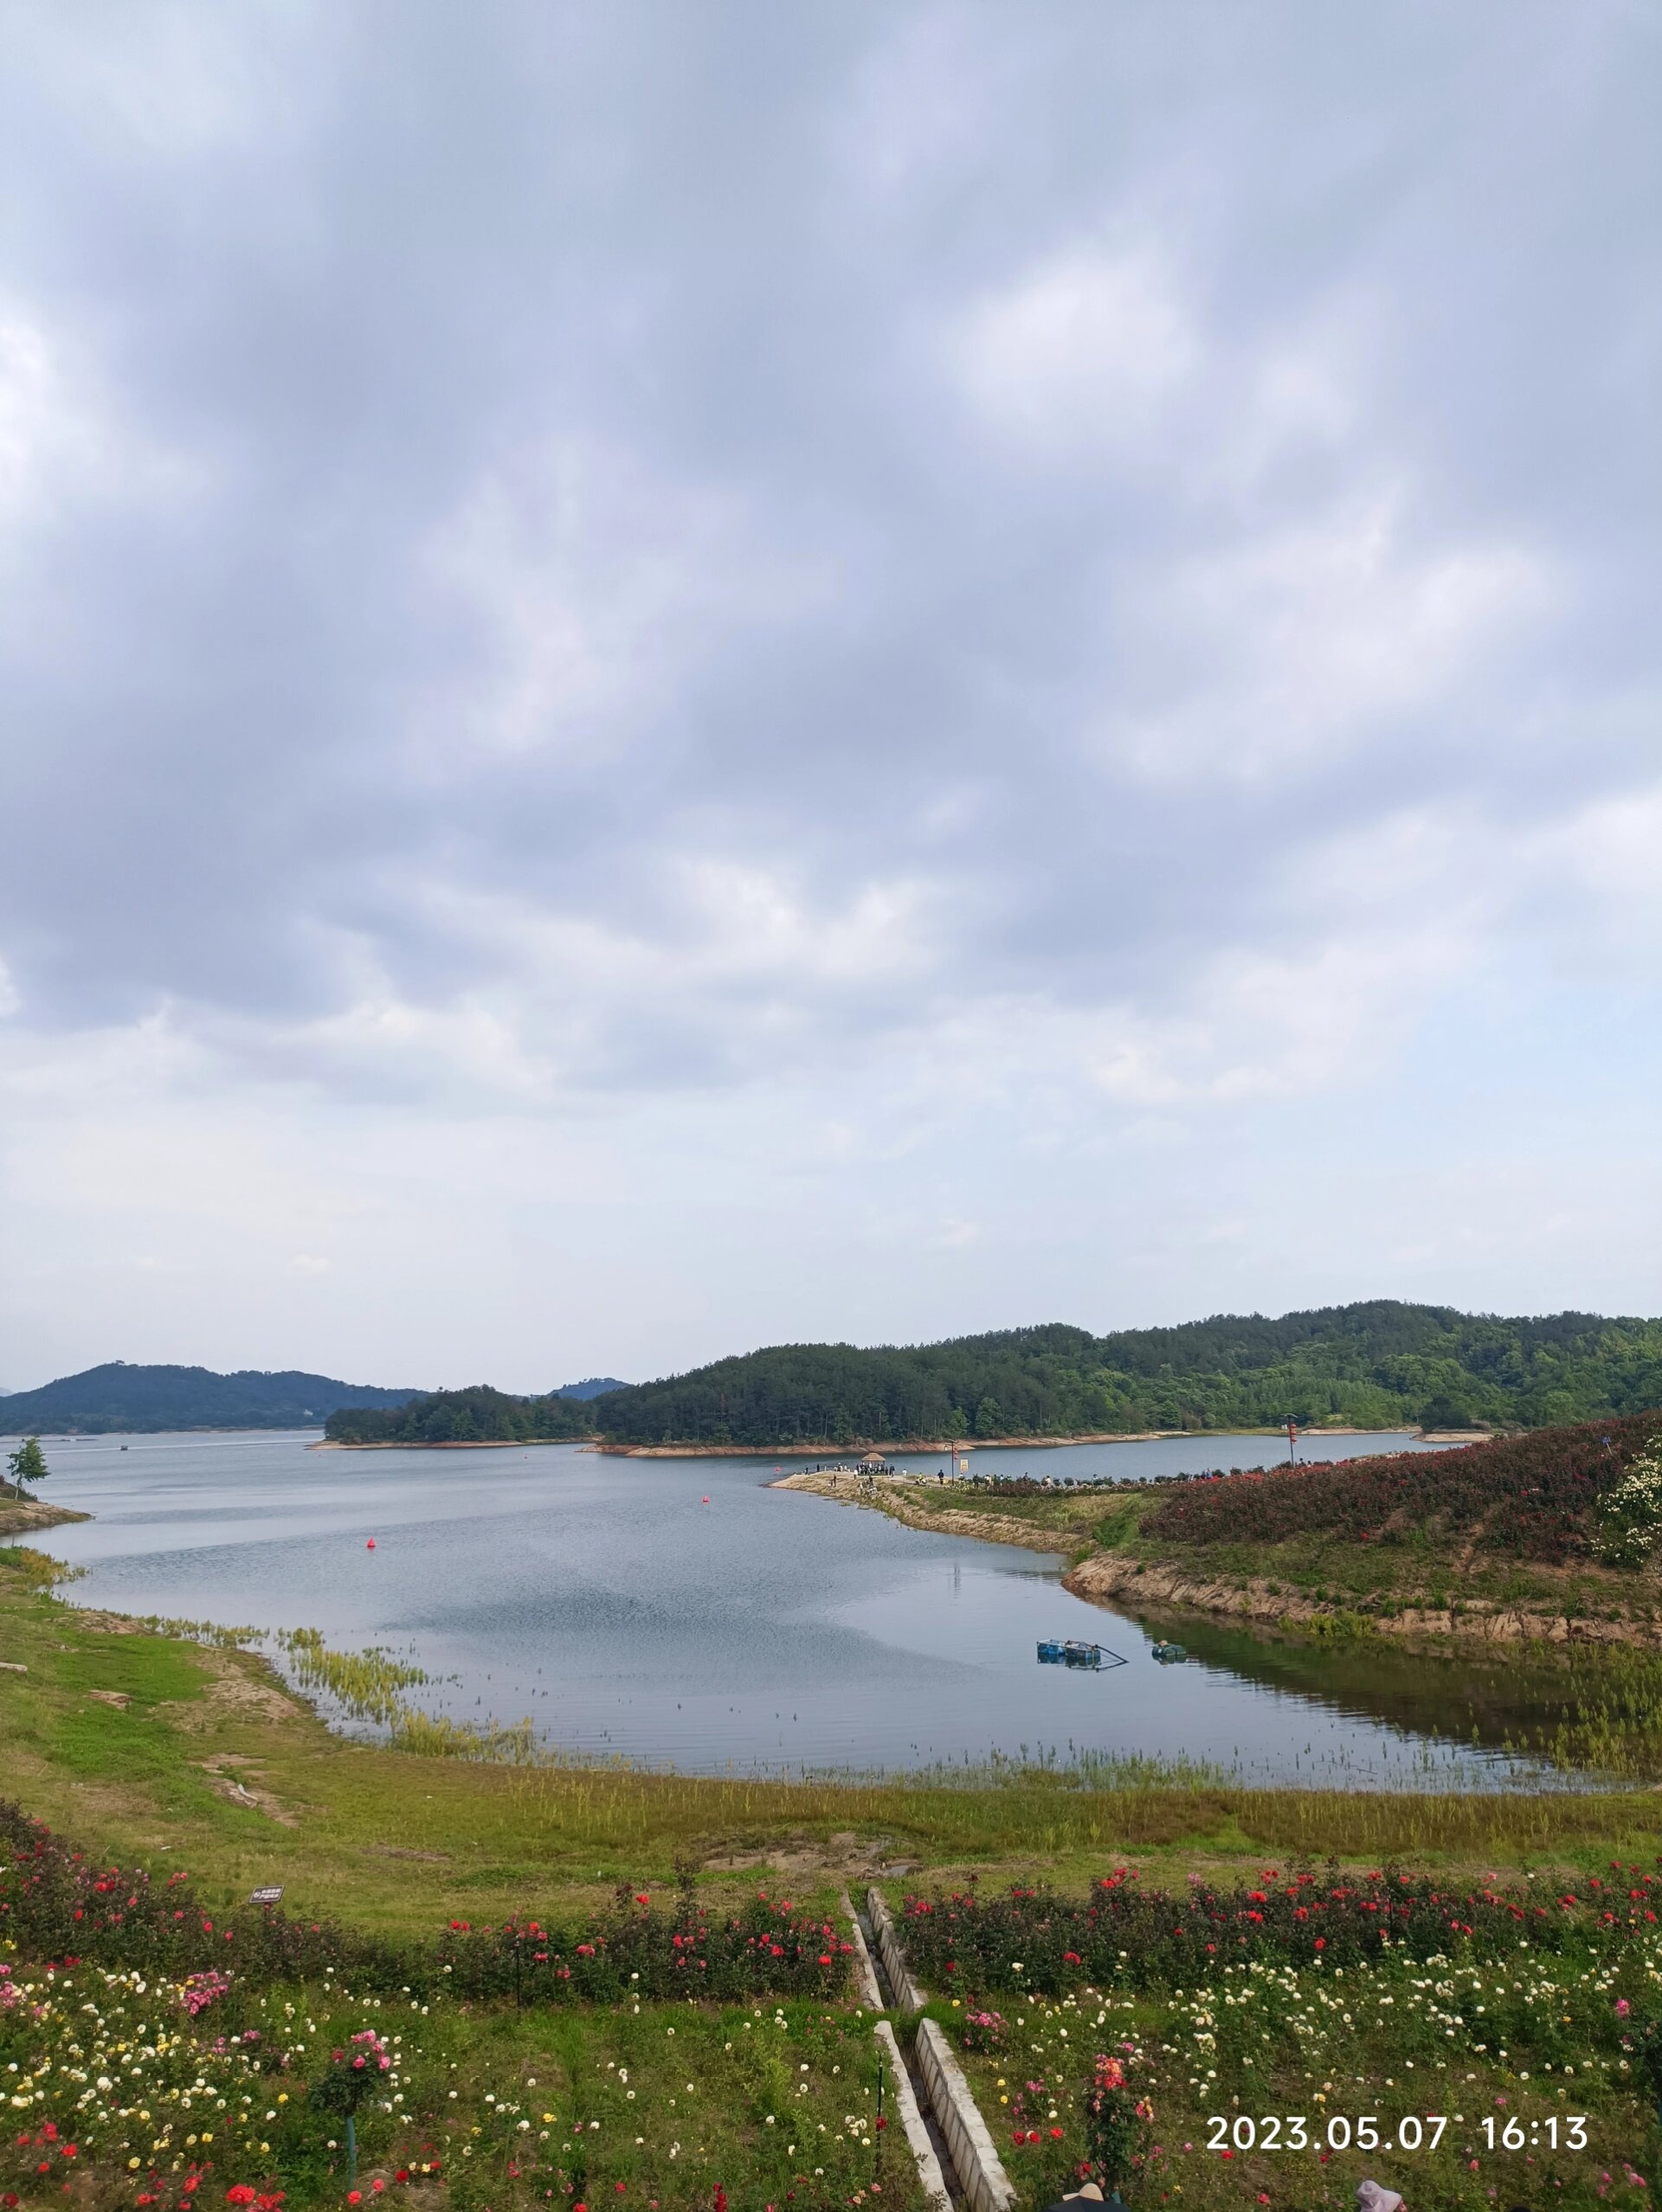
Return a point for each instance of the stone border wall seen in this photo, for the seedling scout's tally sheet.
(907, 1995)
(912, 2120)
(987, 2187)
(864, 1973)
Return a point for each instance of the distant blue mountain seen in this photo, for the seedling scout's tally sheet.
(594, 1387)
(119, 1396)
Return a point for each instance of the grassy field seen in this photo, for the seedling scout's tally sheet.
(1320, 1571)
(150, 1744)
(184, 1753)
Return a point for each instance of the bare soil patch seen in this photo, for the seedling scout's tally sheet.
(238, 1790)
(232, 1695)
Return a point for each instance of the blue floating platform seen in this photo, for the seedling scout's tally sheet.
(1070, 1652)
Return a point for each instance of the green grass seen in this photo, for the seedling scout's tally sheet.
(659, 2104)
(385, 1837)
(1521, 2037)
(1367, 1581)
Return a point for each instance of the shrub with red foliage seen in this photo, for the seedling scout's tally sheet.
(1132, 1935)
(57, 1904)
(1529, 1497)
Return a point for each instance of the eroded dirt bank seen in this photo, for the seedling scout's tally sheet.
(18, 1517)
(1130, 1583)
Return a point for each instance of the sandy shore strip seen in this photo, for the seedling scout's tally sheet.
(898, 1500)
(18, 1516)
(912, 1447)
(456, 1444)
(1132, 1585)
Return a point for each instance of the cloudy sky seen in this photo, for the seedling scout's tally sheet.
(679, 675)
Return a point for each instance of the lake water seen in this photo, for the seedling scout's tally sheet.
(680, 1612)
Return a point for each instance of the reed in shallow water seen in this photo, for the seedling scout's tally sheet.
(369, 1684)
(226, 1639)
(431, 1735)
(1600, 1714)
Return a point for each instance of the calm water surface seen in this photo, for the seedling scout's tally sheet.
(679, 1613)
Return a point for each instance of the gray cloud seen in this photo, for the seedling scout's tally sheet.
(555, 557)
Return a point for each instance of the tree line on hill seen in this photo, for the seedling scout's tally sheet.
(124, 1398)
(1380, 1364)
(476, 1415)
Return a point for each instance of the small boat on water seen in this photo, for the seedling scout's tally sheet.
(1070, 1652)
(1167, 1654)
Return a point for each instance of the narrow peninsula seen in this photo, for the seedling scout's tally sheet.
(1554, 1536)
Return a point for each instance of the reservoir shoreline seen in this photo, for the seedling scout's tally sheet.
(18, 1516)
(905, 1446)
(1121, 1583)
(686, 1618)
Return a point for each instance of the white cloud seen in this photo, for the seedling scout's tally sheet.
(1083, 353)
(1305, 642)
(1300, 1025)
(598, 588)
(70, 457)
(162, 79)
(58, 444)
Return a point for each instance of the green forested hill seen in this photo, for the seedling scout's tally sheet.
(478, 1415)
(121, 1397)
(1380, 1365)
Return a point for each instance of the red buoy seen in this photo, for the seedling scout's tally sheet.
(370, 1547)
(706, 1502)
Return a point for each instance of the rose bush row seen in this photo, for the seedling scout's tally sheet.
(1126, 1934)
(56, 1904)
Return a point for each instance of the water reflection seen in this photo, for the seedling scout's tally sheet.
(605, 1600)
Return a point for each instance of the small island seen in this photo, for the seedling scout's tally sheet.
(455, 1418)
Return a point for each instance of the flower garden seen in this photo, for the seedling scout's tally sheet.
(156, 2055)
(1277, 2044)
(114, 2093)
(56, 1903)
(1267, 2043)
